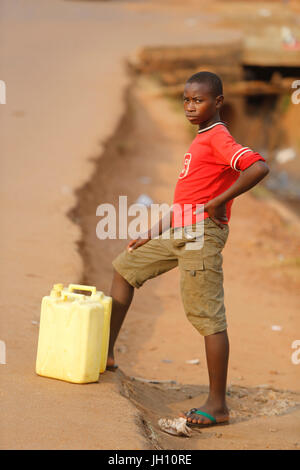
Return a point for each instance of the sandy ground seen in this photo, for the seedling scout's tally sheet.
(63, 64)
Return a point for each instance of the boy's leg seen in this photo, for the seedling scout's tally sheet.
(122, 294)
(131, 270)
(217, 353)
(203, 299)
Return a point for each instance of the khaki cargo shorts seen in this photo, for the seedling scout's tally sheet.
(196, 250)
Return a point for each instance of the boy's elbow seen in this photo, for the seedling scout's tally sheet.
(262, 168)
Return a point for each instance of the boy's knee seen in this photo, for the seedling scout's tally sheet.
(197, 323)
(119, 278)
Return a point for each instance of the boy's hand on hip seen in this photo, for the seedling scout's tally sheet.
(217, 212)
(134, 244)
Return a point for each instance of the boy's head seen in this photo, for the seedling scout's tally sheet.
(203, 97)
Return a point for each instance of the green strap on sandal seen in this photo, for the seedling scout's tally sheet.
(202, 413)
(196, 411)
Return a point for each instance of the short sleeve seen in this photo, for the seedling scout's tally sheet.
(229, 152)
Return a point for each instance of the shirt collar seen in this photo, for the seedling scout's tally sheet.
(210, 127)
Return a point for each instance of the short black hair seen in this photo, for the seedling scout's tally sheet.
(210, 79)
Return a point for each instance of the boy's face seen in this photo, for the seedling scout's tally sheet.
(199, 103)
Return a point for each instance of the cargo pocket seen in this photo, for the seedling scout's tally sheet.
(192, 265)
(193, 291)
(192, 281)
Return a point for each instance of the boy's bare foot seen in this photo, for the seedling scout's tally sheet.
(110, 364)
(217, 415)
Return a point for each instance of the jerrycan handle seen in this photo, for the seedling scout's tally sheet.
(91, 289)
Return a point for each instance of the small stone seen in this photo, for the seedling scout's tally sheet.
(276, 328)
(193, 361)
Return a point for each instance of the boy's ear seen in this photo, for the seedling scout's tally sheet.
(219, 101)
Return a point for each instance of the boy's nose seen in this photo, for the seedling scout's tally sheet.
(190, 107)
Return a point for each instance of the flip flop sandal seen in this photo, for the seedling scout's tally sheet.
(213, 420)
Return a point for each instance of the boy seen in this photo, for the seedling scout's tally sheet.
(216, 170)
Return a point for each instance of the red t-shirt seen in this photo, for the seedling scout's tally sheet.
(211, 165)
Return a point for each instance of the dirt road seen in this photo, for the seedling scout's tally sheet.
(63, 65)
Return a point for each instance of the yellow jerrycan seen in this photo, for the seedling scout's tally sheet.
(74, 334)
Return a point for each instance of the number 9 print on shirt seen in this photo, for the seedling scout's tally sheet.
(187, 161)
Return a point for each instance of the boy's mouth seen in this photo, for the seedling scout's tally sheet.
(191, 116)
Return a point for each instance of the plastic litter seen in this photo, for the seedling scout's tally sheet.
(176, 426)
(144, 200)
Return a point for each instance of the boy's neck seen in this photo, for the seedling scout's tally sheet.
(209, 122)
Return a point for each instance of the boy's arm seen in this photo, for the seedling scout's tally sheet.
(247, 179)
(163, 224)
(251, 165)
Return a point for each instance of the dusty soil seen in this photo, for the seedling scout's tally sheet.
(262, 280)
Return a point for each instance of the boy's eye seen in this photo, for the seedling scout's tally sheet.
(197, 100)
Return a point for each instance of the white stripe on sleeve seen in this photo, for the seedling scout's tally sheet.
(236, 154)
(248, 150)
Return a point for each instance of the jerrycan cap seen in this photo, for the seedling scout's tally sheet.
(56, 290)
